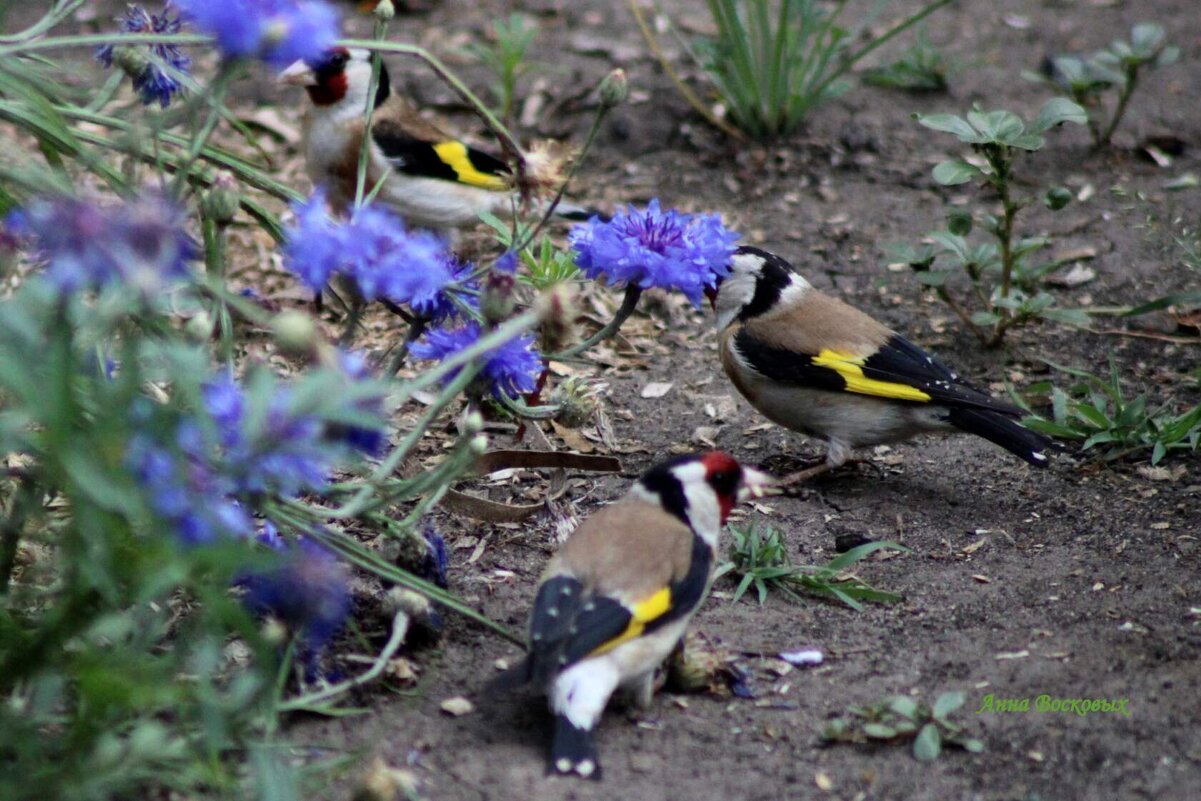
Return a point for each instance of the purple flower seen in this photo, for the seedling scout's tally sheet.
(386, 261)
(511, 369)
(653, 248)
(375, 252)
(152, 83)
(441, 306)
(277, 31)
(140, 244)
(187, 493)
(307, 589)
(437, 560)
(313, 248)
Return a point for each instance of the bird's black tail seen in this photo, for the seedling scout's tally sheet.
(1004, 431)
(573, 750)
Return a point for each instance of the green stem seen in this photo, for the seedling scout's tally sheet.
(1123, 99)
(416, 329)
(200, 139)
(601, 113)
(628, 304)
(504, 136)
(377, 62)
(400, 627)
(214, 261)
(854, 57)
(111, 38)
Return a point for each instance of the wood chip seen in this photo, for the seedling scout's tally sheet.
(1012, 654)
(457, 707)
(656, 389)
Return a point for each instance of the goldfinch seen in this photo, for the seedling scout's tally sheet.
(616, 598)
(812, 363)
(430, 178)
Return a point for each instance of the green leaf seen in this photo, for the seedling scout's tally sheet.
(985, 319)
(1093, 415)
(952, 243)
(928, 744)
(1158, 452)
(1146, 38)
(1178, 299)
(948, 703)
(1077, 317)
(973, 745)
(934, 278)
(1055, 111)
(878, 731)
(903, 705)
(952, 124)
(1057, 197)
(959, 222)
(954, 172)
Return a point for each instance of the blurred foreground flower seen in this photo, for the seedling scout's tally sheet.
(205, 474)
(652, 248)
(378, 255)
(141, 244)
(149, 79)
(307, 589)
(276, 31)
(512, 369)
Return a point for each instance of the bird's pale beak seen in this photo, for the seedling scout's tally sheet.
(298, 74)
(755, 484)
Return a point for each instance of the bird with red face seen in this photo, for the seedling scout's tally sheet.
(428, 176)
(617, 597)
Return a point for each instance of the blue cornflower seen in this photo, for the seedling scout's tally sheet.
(653, 248)
(313, 246)
(375, 252)
(276, 31)
(512, 369)
(386, 261)
(152, 83)
(141, 243)
(437, 560)
(186, 492)
(441, 306)
(307, 589)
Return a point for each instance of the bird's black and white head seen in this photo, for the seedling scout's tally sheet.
(701, 489)
(758, 282)
(339, 80)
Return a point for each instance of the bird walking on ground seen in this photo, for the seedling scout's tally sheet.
(430, 178)
(814, 364)
(617, 597)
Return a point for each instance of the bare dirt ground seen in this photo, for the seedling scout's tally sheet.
(1078, 582)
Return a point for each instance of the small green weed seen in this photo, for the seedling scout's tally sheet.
(547, 264)
(774, 61)
(1088, 78)
(921, 68)
(1004, 275)
(505, 58)
(899, 718)
(1098, 412)
(759, 557)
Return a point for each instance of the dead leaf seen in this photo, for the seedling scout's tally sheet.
(486, 510)
(573, 438)
(1079, 275)
(1162, 473)
(975, 546)
(656, 389)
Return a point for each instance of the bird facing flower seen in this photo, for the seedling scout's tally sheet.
(276, 31)
(654, 248)
(512, 369)
(149, 79)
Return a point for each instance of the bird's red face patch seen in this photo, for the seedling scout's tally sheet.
(724, 476)
(330, 89)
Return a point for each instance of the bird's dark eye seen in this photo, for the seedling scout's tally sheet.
(725, 482)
